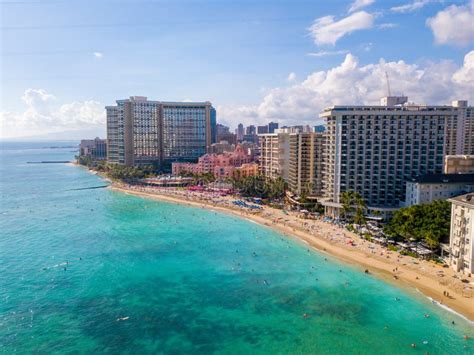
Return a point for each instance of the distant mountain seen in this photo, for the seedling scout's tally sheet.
(62, 136)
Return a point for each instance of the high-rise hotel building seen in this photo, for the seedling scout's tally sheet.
(274, 155)
(305, 168)
(373, 150)
(143, 132)
(297, 157)
(461, 130)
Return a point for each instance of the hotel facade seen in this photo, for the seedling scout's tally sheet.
(226, 164)
(274, 155)
(459, 164)
(461, 241)
(305, 165)
(374, 150)
(295, 156)
(144, 132)
(460, 130)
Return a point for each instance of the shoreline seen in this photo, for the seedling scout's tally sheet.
(413, 274)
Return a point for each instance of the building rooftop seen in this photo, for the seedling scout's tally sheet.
(404, 108)
(460, 156)
(443, 179)
(467, 199)
(164, 103)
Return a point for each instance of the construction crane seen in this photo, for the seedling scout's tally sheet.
(388, 84)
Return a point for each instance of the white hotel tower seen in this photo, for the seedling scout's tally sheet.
(373, 150)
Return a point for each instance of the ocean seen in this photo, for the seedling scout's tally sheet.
(98, 271)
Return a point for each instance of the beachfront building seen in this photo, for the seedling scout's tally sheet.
(295, 129)
(305, 163)
(459, 164)
(460, 137)
(296, 155)
(461, 239)
(246, 170)
(274, 155)
(227, 171)
(94, 148)
(428, 188)
(144, 132)
(220, 165)
(374, 150)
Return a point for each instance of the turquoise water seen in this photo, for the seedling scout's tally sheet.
(189, 280)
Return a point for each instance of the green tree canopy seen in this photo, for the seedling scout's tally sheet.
(429, 222)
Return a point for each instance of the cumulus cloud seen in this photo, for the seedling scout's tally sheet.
(359, 4)
(43, 115)
(465, 74)
(98, 55)
(327, 53)
(291, 77)
(325, 30)
(412, 6)
(350, 83)
(454, 25)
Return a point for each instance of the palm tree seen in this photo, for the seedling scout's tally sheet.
(346, 200)
(353, 203)
(359, 217)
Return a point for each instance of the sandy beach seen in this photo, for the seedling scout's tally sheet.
(429, 278)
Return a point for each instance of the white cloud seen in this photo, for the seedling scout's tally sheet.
(327, 53)
(454, 25)
(350, 83)
(98, 55)
(465, 74)
(359, 4)
(412, 6)
(42, 115)
(291, 77)
(388, 25)
(325, 30)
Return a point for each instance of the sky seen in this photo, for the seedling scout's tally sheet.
(62, 62)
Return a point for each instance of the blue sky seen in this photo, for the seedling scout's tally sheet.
(68, 58)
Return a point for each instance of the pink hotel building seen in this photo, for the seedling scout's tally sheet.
(226, 164)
